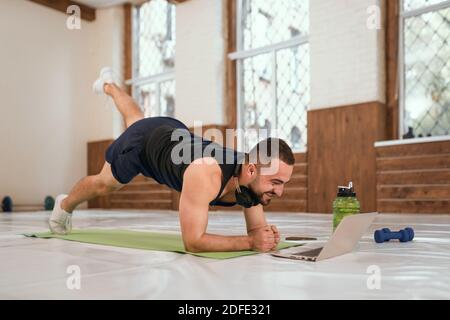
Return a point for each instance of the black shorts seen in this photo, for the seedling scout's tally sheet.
(124, 153)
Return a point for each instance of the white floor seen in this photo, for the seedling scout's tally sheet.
(37, 268)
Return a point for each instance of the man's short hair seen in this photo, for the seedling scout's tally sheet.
(271, 148)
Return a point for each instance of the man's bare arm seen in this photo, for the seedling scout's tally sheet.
(201, 184)
(255, 219)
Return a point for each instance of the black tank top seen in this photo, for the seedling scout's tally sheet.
(161, 143)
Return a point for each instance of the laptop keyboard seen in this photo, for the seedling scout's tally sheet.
(310, 253)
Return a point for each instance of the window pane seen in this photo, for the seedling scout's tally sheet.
(266, 22)
(274, 94)
(409, 5)
(155, 41)
(427, 73)
(167, 99)
(293, 95)
(147, 96)
(257, 110)
(285, 115)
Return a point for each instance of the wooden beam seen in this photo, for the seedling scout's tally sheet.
(421, 176)
(87, 13)
(416, 149)
(128, 45)
(392, 64)
(414, 206)
(177, 1)
(414, 192)
(231, 75)
(429, 161)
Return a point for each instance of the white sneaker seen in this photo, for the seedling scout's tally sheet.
(60, 221)
(106, 76)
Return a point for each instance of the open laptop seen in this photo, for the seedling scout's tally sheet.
(343, 240)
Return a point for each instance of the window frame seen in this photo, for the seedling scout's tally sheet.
(403, 15)
(157, 79)
(240, 54)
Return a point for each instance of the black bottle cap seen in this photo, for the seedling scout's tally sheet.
(346, 191)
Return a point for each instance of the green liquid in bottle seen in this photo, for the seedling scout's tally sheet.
(345, 204)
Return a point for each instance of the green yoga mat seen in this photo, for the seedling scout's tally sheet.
(143, 240)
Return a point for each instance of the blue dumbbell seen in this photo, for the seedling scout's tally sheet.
(385, 234)
(7, 204)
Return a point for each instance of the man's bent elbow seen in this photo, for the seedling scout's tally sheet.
(191, 247)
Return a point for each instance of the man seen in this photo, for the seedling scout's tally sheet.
(148, 147)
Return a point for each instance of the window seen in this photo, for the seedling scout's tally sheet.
(272, 70)
(425, 68)
(153, 80)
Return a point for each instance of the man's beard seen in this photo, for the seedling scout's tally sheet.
(261, 200)
(265, 202)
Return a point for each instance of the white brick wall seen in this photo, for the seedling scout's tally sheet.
(347, 58)
(200, 67)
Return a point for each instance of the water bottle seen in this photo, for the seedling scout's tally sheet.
(345, 204)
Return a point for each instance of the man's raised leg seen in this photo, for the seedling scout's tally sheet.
(105, 84)
(125, 104)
